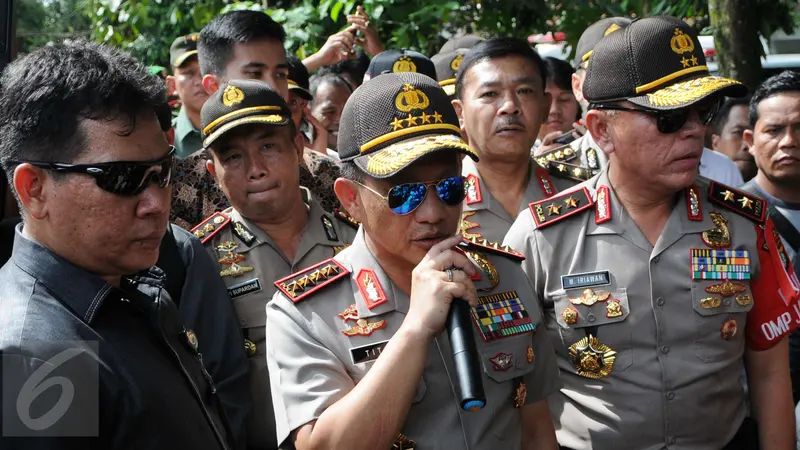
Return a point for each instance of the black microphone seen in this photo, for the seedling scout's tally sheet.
(465, 357)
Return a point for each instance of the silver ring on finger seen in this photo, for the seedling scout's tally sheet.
(449, 273)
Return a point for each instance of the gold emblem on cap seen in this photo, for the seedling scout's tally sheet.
(232, 95)
(456, 62)
(681, 43)
(404, 64)
(611, 28)
(410, 99)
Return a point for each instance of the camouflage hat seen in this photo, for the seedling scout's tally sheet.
(242, 102)
(182, 48)
(656, 62)
(388, 124)
(594, 34)
(447, 65)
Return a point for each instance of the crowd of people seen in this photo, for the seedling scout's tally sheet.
(275, 266)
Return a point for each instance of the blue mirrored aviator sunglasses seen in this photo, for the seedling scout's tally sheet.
(405, 198)
(126, 178)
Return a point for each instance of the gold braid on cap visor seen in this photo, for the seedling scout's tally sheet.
(400, 155)
(689, 91)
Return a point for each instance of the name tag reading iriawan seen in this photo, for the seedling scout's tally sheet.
(584, 280)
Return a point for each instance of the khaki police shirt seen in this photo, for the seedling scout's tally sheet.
(675, 381)
(323, 237)
(485, 218)
(313, 361)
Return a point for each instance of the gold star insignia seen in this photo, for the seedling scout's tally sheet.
(559, 154)
(728, 196)
(685, 62)
(412, 121)
(397, 124)
(561, 168)
(437, 118)
(746, 203)
(577, 171)
(694, 60)
(553, 209)
(426, 118)
(571, 202)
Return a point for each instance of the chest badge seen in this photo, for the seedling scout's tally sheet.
(718, 237)
(729, 329)
(570, 315)
(228, 251)
(520, 394)
(613, 309)
(726, 288)
(529, 354)
(363, 327)
(351, 313)
(589, 297)
(591, 358)
(501, 362)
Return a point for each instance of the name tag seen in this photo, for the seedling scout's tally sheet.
(244, 288)
(367, 353)
(584, 280)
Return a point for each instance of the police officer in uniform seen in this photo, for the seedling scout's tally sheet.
(669, 281)
(501, 103)
(274, 227)
(356, 350)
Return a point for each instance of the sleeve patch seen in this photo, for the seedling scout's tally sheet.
(211, 226)
(742, 203)
(549, 211)
(304, 283)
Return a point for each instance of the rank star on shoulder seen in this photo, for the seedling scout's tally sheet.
(746, 202)
(728, 196)
(553, 209)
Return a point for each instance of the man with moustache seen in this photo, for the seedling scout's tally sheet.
(671, 283)
(273, 228)
(84, 310)
(501, 103)
(355, 343)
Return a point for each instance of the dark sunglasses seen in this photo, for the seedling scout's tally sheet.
(670, 121)
(405, 198)
(126, 178)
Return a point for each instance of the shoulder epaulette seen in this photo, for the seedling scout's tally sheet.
(564, 153)
(748, 205)
(571, 171)
(491, 247)
(551, 210)
(345, 217)
(300, 285)
(211, 226)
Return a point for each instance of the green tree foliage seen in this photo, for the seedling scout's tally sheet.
(147, 27)
(37, 23)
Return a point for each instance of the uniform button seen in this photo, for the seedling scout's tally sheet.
(665, 349)
(656, 259)
(671, 440)
(726, 302)
(590, 317)
(243, 323)
(670, 396)
(660, 301)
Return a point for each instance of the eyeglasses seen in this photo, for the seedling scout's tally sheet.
(405, 198)
(126, 178)
(670, 121)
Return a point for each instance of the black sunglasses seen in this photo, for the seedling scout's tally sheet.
(126, 178)
(405, 198)
(670, 121)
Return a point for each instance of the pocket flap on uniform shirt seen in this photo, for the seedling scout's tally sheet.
(714, 297)
(508, 358)
(591, 307)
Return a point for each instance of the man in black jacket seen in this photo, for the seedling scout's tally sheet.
(82, 307)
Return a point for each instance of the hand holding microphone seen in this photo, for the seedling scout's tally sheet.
(441, 294)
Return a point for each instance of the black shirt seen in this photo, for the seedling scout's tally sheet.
(129, 372)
